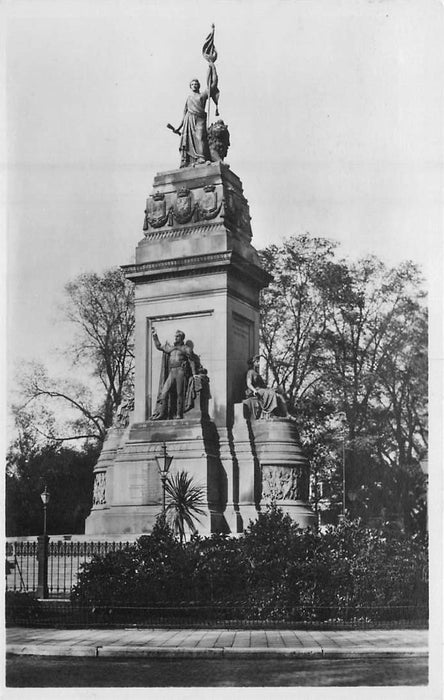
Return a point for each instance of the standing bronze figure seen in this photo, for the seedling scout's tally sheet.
(193, 127)
(177, 367)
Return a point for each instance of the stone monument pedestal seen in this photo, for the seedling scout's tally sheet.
(196, 270)
(271, 468)
(133, 493)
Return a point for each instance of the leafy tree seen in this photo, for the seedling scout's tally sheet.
(67, 473)
(368, 325)
(101, 307)
(370, 332)
(319, 431)
(60, 410)
(51, 412)
(349, 339)
(294, 313)
(184, 501)
(402, 421)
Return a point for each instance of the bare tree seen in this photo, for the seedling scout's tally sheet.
(102, 309)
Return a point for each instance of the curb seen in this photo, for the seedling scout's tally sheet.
(214, 652)
(50, 650)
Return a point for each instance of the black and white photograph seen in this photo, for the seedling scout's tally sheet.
(223, 323)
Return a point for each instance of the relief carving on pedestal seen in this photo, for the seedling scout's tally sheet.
(208, 208)
(99, 497)
(282, 483)
(183, 208)
(156, 214)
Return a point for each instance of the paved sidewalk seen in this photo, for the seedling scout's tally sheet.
(213, 643)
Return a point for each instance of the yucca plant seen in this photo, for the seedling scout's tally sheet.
(184, 501)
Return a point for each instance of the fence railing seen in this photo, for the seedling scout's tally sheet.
(52, 613)
(64, 561)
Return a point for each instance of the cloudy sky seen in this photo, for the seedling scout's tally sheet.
(334, 109)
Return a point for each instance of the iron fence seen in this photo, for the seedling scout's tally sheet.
(65, 559)
(67, 614)
(64, 562)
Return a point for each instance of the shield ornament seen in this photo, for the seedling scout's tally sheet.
(158, 206)
(208, 203)
(183, 209)
(156, 210)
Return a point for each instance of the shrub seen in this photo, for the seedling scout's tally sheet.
(220, 571)
(21, 608)
(275, 571)
(106, 579)
(154, 570)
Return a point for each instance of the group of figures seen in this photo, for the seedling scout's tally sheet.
(184, 383)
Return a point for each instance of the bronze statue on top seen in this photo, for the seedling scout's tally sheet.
(194, 139)
(194, 147)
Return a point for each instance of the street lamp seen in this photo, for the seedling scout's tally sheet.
(163, 465)
(342, 420)
(42, 552)
(45, 500)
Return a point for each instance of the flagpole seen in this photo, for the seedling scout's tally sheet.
(209, 84)
(209, 96)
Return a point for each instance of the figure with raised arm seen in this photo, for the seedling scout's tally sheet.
(178, 367)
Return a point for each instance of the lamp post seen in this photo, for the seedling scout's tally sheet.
(342, 418)
(163, 465)
(45, 500)
(343, 476)
(42, 552)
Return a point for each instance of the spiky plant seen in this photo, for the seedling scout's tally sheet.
(184, 501)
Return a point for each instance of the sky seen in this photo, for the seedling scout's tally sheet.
(335, 114)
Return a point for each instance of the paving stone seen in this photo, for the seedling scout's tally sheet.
(343, 642)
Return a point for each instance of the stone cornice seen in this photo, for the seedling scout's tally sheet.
(245, 268)
(195, 265)
(159, 266)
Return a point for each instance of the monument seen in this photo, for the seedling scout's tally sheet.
(197, 283)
